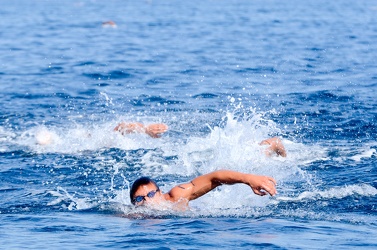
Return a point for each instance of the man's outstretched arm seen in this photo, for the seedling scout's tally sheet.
(261, 185)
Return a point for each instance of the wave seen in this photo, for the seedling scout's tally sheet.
(115, 74)
(364, 190)
(365, 154)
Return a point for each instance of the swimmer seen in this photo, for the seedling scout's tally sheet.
(153, 130)
(110, 23)
(145, 191)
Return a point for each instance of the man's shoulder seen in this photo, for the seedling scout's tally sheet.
(178, 192)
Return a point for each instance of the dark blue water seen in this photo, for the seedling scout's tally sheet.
(223, 75)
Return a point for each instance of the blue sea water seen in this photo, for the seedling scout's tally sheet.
(223, 75)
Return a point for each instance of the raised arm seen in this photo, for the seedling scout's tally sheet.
(275, 146)
(261, 185)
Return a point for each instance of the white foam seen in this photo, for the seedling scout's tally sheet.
(367, 153)
(62, 196)
(335, 192)
(79, 138)
(236, 146)
(45, 137)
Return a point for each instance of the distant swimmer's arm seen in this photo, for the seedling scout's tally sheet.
(132, 127)
(261, 185)
(153, 130)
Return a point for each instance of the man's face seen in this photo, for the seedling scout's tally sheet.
(147, 194)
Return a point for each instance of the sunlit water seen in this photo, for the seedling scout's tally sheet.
(223, 75)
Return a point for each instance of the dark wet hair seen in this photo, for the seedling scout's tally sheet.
(140, 182)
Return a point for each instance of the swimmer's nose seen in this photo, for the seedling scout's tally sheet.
(147, 199)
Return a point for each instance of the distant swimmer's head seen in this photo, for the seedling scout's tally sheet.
(44, 137)
(110, 23)
(145, 191)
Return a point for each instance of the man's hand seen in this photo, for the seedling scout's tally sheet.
(261, 185)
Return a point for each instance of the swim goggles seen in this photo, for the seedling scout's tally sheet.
(140, 198)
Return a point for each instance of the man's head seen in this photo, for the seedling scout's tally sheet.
(143, 190)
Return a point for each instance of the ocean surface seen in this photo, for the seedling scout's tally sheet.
(223, 75)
